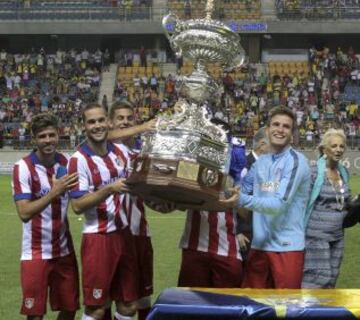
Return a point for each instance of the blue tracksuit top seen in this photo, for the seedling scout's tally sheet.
(280, 184)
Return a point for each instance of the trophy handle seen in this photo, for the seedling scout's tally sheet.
(169, 23)
(239, 59)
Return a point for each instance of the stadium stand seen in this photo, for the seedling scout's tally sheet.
(75, 10)
(323, 91)
(226, 10)
(326, 83)
(317, 10)
(35, 82)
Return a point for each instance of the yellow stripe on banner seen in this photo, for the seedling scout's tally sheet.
(355, 312)
(279, 298)
(280, 311)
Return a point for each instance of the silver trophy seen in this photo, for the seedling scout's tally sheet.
(187, 159)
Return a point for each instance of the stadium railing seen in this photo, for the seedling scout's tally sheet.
(66, 12)
(26, 144)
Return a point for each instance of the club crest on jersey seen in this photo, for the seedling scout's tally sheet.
(97, 293)
(29, 303)
(270, 186)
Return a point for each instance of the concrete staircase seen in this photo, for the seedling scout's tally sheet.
(108, 84)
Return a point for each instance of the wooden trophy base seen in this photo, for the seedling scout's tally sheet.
(183, 182)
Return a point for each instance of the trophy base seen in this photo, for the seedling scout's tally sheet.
(188, 184)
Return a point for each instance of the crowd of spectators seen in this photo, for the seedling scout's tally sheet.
(75, 9)
(312, 9)
(37, 81)
(150, 95)
(140, 80)
(185, 9)
(226, 9)
(326, 96)
(4, 4)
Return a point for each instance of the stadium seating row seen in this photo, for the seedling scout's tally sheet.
(315, 10)
(225, 9)
(288, 67)
(127, 74)
(121, 13)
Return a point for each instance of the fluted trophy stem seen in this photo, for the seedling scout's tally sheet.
(209, 9)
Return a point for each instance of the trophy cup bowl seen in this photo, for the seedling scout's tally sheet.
(186, 160)
(204, 40)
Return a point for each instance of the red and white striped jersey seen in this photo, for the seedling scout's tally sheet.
(134, 205)
(135, 213)
(95, 172)
(212, 232)
(46, 235)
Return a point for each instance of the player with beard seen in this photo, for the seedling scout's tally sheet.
(122, 117)
(107, 259)
(48, 262)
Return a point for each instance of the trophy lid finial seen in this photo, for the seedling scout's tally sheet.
(209, 9)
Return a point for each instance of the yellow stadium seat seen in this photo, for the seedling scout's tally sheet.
(272, 70)
(135, 70)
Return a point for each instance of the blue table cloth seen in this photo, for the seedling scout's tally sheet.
(201, 304)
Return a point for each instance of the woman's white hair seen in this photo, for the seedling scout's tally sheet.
(325, 141)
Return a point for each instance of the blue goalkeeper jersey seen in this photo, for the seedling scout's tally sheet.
(280, 184)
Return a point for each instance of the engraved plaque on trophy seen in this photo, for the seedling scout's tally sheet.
(186, 160)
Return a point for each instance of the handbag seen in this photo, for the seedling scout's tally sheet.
(353, 216)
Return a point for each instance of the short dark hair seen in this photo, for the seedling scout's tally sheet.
(282, 110)
(90, 106)
(122, 104)
(43, 120)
